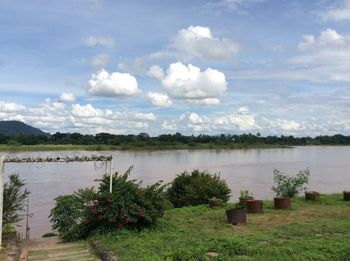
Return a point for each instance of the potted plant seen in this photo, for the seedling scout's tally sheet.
(215, 202)
(254, 206)
(244, 196)
(287, 187)
(236, 215)
(312, 195)
(346, 195)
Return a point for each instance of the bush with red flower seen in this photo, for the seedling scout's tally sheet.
(129, 206)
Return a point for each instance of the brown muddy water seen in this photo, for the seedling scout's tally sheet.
(242, 169)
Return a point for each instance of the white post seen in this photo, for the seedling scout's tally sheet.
(110, 176)
(2, 168)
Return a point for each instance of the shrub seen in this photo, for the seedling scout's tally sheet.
(14, 198)
(128, 206)
(197, 188)
(290, 186)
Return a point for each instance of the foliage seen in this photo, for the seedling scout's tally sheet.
(197, 188)
(190, 233)
(15, 196)
(129, 206)
(244, 194)
(289, 186)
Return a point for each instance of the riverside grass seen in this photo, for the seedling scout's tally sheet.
(310, 231)
(131, 147)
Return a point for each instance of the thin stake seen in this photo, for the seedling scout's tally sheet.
(2, 170)
(110, 176)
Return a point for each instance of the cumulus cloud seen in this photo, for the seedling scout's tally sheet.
(93, 41)
(117, 85)
(100, 60)
(279, 125)
(86, 111)
(190, 83)
(67, 97)
(159, 99)
(11, 107)
(322, 58)
(337, 13)
(145, 116)
(156, 71)
(198, 41)
(233, 122)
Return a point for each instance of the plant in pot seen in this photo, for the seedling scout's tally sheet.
(244, 196)
(236, 215)
(312, 195)
(215, 202)
(287, 187)
(346, 195)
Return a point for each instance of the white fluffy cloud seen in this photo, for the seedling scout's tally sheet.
(156, 71)
(242, 120)
(337, 13)
(86, 111)
(11, 107)
(198, 41)
(93, 41)
(190, 83)
(100, 60)
(117, 85)
(279, 125)
(67, 97)
(159, 99)
(324, 58)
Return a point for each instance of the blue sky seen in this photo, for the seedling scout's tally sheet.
(226, 66)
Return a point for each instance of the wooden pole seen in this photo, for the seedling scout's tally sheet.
(110, 176)
(2, 168)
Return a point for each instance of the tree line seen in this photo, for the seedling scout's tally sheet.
(143, 139)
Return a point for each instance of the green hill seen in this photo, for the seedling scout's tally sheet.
(14, 128)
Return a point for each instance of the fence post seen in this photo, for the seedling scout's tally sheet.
(110, 176)
(2, 168)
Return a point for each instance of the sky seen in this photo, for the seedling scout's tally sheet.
(278, 67)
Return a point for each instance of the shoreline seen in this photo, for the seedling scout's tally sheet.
(65, 147)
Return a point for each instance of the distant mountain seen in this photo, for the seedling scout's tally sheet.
(14, 128)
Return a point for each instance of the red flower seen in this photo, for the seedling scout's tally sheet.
(142, 214)
(122, 212)
(127, 220)
(100, 217)
(120, 226)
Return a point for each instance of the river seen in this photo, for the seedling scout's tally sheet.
(242, 169)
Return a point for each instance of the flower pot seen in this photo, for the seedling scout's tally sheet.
(254, 206)
(242, 201)
(346, 195)
(236, 216)
(216, 203)
(312, 195)
(282, 203)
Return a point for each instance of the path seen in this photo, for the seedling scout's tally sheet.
(52, 249)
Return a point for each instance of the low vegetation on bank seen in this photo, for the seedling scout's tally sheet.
(142, 141)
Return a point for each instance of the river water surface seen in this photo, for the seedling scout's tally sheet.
(242, 169)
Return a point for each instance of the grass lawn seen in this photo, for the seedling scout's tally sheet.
(310, 231)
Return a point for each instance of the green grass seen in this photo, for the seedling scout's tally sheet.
(310, 231)
(52, 147)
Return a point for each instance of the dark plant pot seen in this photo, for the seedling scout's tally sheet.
(242, 201)
(282, 203)
(236, 216)
(346, 195)
(312, 195)
(254, 206)
(216, 203)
